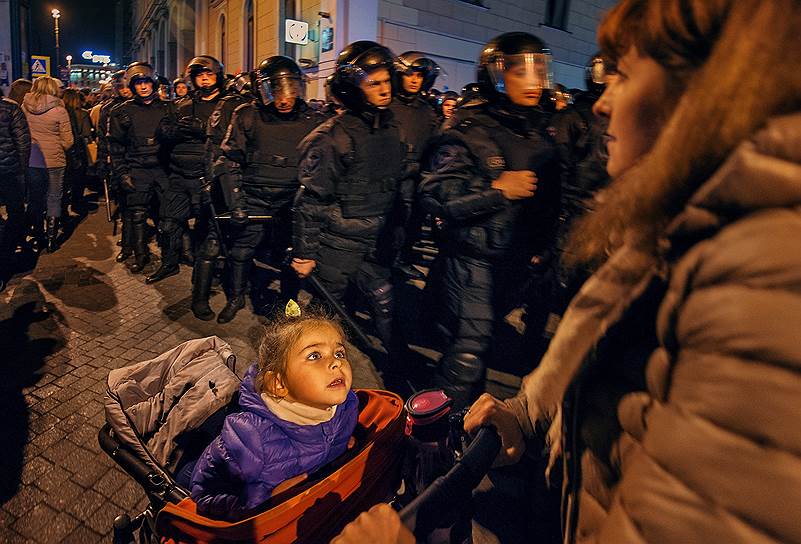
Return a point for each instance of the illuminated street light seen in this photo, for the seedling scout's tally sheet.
(56, 14)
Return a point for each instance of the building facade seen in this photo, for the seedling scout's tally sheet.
(168, 33)
(15, 50)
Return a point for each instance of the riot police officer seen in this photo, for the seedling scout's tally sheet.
(184, 132)
(120, 93)
(219, 187)
(179, 87)
(415, 74)
(136, 153)
(493, 181)
(579, 136)
(579, 140)
(261, 152)
(351, 168)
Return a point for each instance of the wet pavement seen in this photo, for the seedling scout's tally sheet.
(63, 327)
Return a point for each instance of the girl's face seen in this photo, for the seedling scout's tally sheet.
(318, 372)
(636, 103)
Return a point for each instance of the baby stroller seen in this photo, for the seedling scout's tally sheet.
(162, 413)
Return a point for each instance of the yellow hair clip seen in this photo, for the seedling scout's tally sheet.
(292, 309)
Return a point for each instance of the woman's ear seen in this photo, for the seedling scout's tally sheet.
(274, 385)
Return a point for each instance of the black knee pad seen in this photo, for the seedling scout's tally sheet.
(380, 295)
(210, 249)
(167, 226)
(137, 215)
(242, 254)
(462, 368)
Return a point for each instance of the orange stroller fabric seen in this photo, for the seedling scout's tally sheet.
(313, 512)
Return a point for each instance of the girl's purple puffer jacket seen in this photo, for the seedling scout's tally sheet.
(256, 451)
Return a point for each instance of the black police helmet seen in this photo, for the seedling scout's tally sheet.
(415, 61)
(355, 62)
(277, 73)
(241, 83)
(138, 71)
(206, 63)
(494, 58)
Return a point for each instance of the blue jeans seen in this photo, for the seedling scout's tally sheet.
(55, 191)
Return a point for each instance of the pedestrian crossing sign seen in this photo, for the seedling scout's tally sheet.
(40, 66)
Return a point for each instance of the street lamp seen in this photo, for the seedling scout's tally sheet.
(56, 14)
(69, 69)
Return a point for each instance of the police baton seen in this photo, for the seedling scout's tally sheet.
(108, 198)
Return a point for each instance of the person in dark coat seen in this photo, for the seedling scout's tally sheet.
(136, 154)
(260, 174)
(351, 168)
(77, 159)
(415, 74)
(493, 180)
(183, 133)
(298, 413)
(15, 149)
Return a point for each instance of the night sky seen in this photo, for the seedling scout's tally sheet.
(84, 25)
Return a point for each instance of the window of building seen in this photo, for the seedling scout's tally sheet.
(249, 35)
(556, 13)
(222, 39)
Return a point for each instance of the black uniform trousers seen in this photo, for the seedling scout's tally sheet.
(147, 183)
(338, 269)
(472, 296)
(180, 199)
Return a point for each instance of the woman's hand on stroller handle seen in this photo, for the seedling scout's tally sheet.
(379, 525)
(488, 410)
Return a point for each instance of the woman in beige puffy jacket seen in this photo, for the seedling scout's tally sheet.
(51, 136)
(672, 389)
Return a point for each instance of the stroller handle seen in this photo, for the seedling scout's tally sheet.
(448, 492)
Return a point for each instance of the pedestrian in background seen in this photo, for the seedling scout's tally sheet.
(15, 149)
(77, 160)
(19, 88)
(51, 133)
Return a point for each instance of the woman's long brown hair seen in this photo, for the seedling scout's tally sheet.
(737, 63)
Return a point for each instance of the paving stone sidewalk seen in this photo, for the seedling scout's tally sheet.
(63, 327)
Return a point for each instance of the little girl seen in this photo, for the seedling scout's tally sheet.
(298, 414)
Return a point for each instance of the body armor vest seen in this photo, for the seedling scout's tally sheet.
(142, 148)
(417, 123)
(186, 158)
(270, 173)
(518, 229)
(374, 169)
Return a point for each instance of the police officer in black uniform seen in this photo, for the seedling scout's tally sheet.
(261, 152)
(579, 136)
(136, 157)
(351, 169)
(184, 132)
(179, 87)
(494, 182)
(120, 93)
(415, 74)
(219, 187)
(579, 140)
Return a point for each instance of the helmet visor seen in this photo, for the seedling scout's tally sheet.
(279, 88)
(532, 70)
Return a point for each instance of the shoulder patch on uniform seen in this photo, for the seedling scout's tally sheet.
(551, 130)
(496, 161)
(215, 118)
